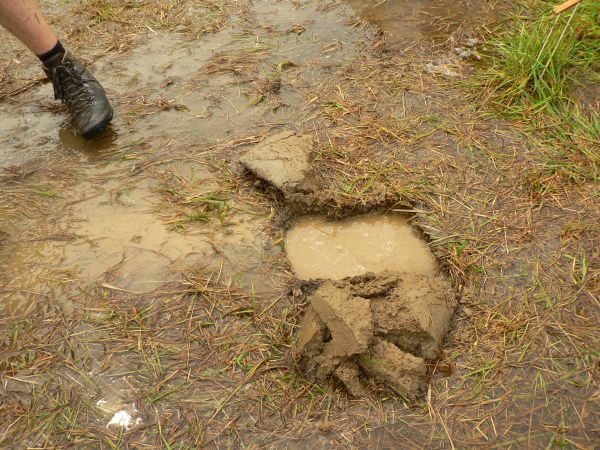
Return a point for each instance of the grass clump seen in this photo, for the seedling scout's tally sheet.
(536, 66)
(536, 62)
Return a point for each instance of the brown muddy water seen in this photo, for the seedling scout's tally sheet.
(113, 234)
(421, 21)
(119, 214)
(176, 99)
(319, 249)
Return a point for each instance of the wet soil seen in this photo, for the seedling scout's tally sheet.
(383, 326)
(282, 160)
(171, 93)
(143, 272)
(136, 218)
(421, 23)
(111, 233)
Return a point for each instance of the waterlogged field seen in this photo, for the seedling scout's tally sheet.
(451, 149)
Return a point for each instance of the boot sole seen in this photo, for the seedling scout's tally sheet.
(98, 128)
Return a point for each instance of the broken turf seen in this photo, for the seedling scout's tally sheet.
(386, 327)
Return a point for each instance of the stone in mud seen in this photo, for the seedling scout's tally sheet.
(310, 339)
(281, 159)
(415, 315)
(404, 372)
(348, 319)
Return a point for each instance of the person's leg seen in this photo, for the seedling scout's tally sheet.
(25, 21)
(73, 84)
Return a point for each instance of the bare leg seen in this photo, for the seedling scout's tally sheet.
(24, 19)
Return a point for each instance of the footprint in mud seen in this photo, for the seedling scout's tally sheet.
(318, 249)
(382, 309)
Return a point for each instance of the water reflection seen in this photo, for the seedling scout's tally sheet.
(100, 147)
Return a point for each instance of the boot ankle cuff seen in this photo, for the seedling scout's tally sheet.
(56, 60)
(58, 49)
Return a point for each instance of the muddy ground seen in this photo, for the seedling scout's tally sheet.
(145, 272)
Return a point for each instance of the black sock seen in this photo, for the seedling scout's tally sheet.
(56, 50)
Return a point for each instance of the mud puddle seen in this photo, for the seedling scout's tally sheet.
(127, 225)
(426, 21)
(172, 88)
(112, 234)
(382, 309)
(175, 97)
(319, 249)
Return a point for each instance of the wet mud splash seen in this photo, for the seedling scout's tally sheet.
(319, 249)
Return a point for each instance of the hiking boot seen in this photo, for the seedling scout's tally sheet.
(81, 92)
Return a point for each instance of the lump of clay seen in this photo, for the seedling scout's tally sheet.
(370, 285)
(281, 159)
(415, 315)
(402, 371)
(312, 334)
(383, 326)
(349, 374)
(347, 318)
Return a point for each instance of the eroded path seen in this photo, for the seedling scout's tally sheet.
(143, 278)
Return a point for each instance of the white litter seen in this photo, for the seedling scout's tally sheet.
(120, 419)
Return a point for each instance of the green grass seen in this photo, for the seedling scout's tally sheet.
(574, 137)
(534, 68)
(536, 62)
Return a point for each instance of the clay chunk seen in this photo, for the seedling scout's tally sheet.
(281, 159)
(370, 285)
(402, 371)
(415, 316)
(349, 374)
(348, 319)
(383, 327)
(310, 339)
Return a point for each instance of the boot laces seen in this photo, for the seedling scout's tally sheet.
(69, 86)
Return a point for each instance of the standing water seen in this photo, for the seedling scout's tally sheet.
(373, 243)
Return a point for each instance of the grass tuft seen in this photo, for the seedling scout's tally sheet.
(535, 69)
(536, 63)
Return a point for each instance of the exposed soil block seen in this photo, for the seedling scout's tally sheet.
(281, 159)
(385, 327)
